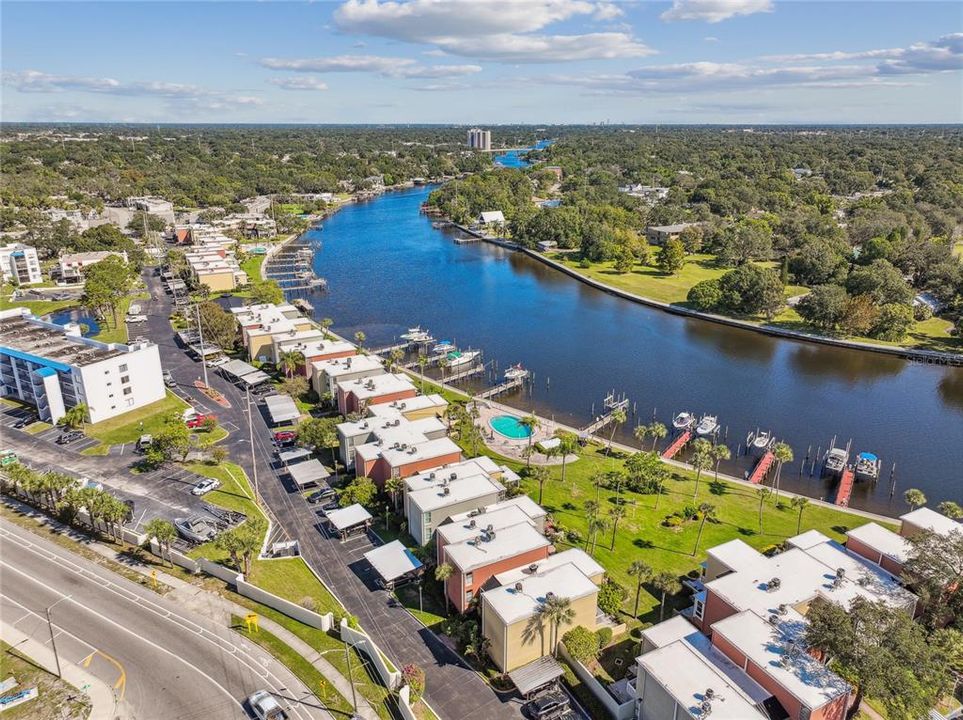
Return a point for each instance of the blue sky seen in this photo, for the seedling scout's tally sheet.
(485, 62)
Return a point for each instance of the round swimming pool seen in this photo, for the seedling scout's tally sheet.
(510, 426)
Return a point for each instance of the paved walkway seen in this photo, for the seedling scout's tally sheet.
(102, 699)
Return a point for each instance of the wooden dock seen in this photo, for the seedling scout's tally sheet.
(611, 404)
(391, 348)
(501, 388)
(676, 445)
(468, 372)
(762, 467)
(845, 489)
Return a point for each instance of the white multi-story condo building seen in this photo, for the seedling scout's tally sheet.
(54, 368)
(479, 139)
(72, 265)
(19, 264)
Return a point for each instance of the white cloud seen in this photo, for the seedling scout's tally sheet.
(395, 67)
(299, 83)
(713, 11)
(500, 30)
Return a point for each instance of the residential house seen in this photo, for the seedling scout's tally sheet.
(661, 234)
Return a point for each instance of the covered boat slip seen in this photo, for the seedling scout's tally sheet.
(348, 521)
(308, 473)
(395, 564)
(281, 409)
(238, 371)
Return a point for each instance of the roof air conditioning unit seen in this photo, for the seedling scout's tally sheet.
(490, 528)
(453, 476)
(774, 620)
(709, 694)
(446, 490)
(532, 568)
(471, 523)
(549, 595)
(518, 587)
(783, 609)
(773, 585)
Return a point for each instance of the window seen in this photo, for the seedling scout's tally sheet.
(468, 596)
(468, 579)
(699, 609)
(130, 402)
(125, 379)
(128, 391)
(123, 368)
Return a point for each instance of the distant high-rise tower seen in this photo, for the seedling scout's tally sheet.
(479, 139)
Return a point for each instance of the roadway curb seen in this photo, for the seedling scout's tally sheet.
(102, 699)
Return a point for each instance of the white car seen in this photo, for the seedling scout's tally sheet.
(136, 318)
(205, 486)
(266, 707)
(218, 362)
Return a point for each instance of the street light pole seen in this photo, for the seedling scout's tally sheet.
(53, 642)
(250, 432)
(354, 698)
(200, 333)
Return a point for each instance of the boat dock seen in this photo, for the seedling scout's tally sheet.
(676, 445)
(762, 467)
(845, 489)
(500, 388)
(467, 372)
(391, 348)
(610, 405)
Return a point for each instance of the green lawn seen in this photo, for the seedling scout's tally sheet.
(641, 535)
(252, 266)
(127, 428)
(37, 307)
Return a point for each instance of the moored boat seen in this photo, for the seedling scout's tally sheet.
(516, 372)
(416, 334)
(458, 358)
(443, 347)
(760, 442)
(834, 462)
(707, 425)
(867, 466)
(683, 421)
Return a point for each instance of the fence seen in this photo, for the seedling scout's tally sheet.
(359, 639)
(622, 711)
(308, 617)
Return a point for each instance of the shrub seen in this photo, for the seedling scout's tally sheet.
(922, 312)
(690, 512)
(414, 676)
(605, 636)
(673, 521)
(611, 597)
(308, 603)
(705, 295)
(582, 644)
(574, 536)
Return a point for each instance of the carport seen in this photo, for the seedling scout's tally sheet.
(255, 378)
(292, 456)
(349, 521)
(281, 408)
(395, 564)
(308, 473)
(237, 369)
(537, 675)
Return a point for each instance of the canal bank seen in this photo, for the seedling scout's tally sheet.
(389, 269)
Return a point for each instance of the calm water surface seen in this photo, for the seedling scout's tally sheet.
(388, 269)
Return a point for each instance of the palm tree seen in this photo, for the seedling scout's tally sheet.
(556, 611)
(619, 416)
(596, 524)
(443, 365)
(394, 358)
(75, 417)
(914, 498)
(658, 431)
(164, 533)
(701, 460)
(251, 533)
(442, 573)
(799, 502)
(56, 485)
(591, 507)
(783, 455)
(667, 584)
(707, 511)
(531, 423)
(641, 572)
(639, 433)
(394, 486)
(951, 509)
(616, 513)
(567, 446)
(762, 493)
(290, 361)
(661, 474)
(325, 324)
(540, 475)
(720, 453)
(422, 364)
(359, 339)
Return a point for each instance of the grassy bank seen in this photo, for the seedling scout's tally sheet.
(127, 428)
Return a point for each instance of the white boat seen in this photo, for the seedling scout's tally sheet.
(761, 442)
(516, 372)
(457, 358)
(416, 334)
(867, 466)
(707, 425)
(445, 346)
(834, 462)
(683, 421)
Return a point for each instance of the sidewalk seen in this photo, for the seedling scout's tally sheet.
(215, 607)
(103, 702)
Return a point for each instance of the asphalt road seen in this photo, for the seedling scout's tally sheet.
(162, 662)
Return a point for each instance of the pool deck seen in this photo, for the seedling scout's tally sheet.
(514, 448)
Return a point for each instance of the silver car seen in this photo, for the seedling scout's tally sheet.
(266, 707)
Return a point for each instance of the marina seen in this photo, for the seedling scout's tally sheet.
(578, 338)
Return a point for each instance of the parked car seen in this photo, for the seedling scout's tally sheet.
(547, 707)
(195, 528)
(144, 442)
(196, 421)
(266, 707)
(69, 436)
(23, 422)
(217, 362)
(205, 486)
(136, 318)
(285, 436)
(320, 494)
(169, 379)
(8, 457)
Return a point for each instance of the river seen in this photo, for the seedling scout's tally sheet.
(389, 269)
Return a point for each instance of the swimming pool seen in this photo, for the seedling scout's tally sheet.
(509, 426)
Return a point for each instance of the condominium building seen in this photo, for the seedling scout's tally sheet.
(479, 139)
(261, 323)
(326, 374)
(357, 395)
(892, 550)
(71, 266)
(441, 493)
(380, 461)
(54, 368)
(216, 268)
(385, 431)
(19, 264)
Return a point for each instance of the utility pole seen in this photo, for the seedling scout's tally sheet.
(354, 697)
(250, 432)
(200, 333)
(53, 643)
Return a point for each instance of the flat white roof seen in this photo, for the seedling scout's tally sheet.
(736, 554)
(686, 674)
(412, 404)
(344, 518)
(861, 574)
(523, 502)
(307, 472)
(666, 633)
(892, 545)
(514, 605)
(932, 520)
(489, 548)
(392, 561)
(576, 556)
(376, 386)
(455, 492)
(462, 469)
(318, 348)
(455, 532)
(766, 645)
(808, 539)
(337, 367)
(427, 450)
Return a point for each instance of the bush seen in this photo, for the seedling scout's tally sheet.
(414, 676)
(705, 295)
(673, 521)
(574, 536)
(308, 603)
(922, 312)
(605, 636)
(690, 512)
(893, 322)
(582, 644)
(611, 597)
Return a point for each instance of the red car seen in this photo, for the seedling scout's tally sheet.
(285, 436)
(198, 420)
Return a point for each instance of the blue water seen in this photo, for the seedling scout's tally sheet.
(388, 270)
(62, 317)
(510, 427)
(513, 158)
